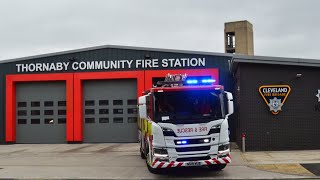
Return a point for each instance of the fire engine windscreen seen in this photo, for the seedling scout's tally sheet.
(188, 106)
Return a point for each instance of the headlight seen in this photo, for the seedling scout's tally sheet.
(166, 129)
(160, 151)
(168, 132)
(224, 147)
(214, 129)
(223, 150)
(161, 154)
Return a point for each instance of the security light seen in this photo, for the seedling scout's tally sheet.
(298, 75)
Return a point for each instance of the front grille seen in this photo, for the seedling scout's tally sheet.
(193, 158)
(186, 149)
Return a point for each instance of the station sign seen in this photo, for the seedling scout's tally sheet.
(122, 64)
(275, 96)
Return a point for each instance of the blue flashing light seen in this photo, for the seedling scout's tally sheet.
(208, 80)
(182, 142)
(202, 81)
(194, 81)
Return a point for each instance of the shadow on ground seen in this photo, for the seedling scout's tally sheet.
(190, 172)
(314, 168)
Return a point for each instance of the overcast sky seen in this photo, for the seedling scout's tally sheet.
(287, 28)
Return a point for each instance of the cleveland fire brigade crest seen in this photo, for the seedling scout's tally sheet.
(275, 96)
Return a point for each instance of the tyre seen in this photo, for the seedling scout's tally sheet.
(142, 155)
(154, 170)
(217, 167)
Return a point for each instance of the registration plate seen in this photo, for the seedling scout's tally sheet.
(193, 163)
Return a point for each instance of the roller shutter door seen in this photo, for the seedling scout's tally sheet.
(41, 112)
(110, 111)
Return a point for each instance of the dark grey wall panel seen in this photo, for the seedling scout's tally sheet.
(221, 62)
(108, 54)
(237, 107)
(297, 125)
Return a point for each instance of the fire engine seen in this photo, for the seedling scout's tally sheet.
(183, 122)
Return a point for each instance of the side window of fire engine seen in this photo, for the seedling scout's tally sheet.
(148, 105)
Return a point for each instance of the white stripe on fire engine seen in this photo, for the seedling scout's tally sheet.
(156, 164)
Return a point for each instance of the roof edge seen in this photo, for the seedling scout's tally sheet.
(114, 47)
(275, 60)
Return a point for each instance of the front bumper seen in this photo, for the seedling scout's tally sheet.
(161, 164)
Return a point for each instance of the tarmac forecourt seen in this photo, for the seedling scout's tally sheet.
(122, 161)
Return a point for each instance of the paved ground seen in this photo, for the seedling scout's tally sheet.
(306, 162)
(112, 161)
(279, 157)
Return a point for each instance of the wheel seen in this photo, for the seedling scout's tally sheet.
(154, 170)
(217, 167)
(142, 155)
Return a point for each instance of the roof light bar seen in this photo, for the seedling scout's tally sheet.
(203, 81)
(208, 80)
(193, 81)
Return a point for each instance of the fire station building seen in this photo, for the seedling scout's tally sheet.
(90, 95)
